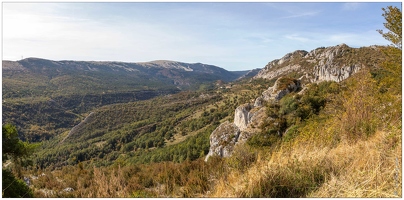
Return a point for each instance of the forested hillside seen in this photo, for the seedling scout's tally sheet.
(133, 130)
(45, 98)
(35, 77)
(324, 123)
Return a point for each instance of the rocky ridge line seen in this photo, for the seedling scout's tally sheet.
(247, 116)
(321, 64)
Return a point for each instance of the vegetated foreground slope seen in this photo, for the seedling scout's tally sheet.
(306, 144)
(288, 109)
(339, 139)
(350, 148)
(168, 128)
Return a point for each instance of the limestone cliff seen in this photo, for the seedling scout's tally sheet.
(335, 63)
(223, 139)
(242, 116)
(247, 118)
(291, 72)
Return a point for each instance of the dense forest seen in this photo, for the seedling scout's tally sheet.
(328, 139)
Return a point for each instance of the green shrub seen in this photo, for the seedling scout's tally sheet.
(296, 179)
(291, 133)
(13, 187)
(241, 158)
(264, 139)
(288, 104)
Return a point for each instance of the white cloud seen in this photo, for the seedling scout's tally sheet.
(351, 6)
(297, 38)
(221, 35)
(59, 36)
(304, 14)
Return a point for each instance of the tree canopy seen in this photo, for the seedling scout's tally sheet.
(15, 150)
(393, 24)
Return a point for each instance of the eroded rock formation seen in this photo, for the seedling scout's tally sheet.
(247, 118)
(335, 63)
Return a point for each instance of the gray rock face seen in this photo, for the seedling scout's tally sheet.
(246, 118)
(335, 63)
(68, 189)
(241, 116)
(223, 139)
(227, 135)
(258, 102)
(330, 73)
(279, 89)
(264, 73)
(257, 115)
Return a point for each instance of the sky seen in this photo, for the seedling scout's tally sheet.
(235, 36)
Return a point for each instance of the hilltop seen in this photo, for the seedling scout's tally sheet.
(44, 97)
(35, 77)
(295, 73)
(319, 123)
(304, 114)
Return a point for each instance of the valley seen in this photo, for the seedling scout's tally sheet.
(194, 130)
(321, 116)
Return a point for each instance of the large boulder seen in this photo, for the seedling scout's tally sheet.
(282, 87)
(247, 119)
(257, 116)
(241, 116)
(223, 139)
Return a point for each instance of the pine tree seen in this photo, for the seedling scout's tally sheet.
(16, 151)
(393, 24)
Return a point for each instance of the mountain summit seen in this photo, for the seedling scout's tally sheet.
(292, 73)
(335, 63)
(35, 76)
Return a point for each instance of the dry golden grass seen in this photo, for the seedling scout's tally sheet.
(367, 168)
(107, 185)
(370, 168)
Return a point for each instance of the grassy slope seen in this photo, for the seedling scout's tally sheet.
(329, 157)
(368, 168)
(138, 130)
(352, 149)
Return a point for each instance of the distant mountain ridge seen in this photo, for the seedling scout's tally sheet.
(39, 77)
(55, 94)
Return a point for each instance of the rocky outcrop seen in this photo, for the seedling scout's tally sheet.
(257, 116)
(282, 87)
(330, 73)
(68, 189)
(242, 116)
(322, 64)
(335, 63)
(223, 139)
(247, 118)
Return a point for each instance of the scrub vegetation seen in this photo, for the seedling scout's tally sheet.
(330, 140)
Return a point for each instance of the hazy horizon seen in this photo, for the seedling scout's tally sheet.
(234, 36)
